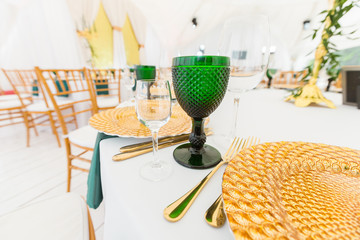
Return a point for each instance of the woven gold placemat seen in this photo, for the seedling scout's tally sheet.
(123, 122)
(293, 190)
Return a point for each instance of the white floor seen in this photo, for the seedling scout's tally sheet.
(31, 174)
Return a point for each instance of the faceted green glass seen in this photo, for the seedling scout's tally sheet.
(200, 84)
(201, 61)
(145, 72)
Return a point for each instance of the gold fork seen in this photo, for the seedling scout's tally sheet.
(215, 215)
(176, 210)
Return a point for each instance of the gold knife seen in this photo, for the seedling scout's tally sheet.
(126, 155)
(147, 144)
(137, 146)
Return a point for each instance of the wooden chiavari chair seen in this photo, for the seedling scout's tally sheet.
(34, 101)
(288, 79)
(76, 85)
(106, 87)
(12, 111)
(7, 95)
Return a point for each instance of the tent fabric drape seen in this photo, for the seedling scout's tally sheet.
(139, 24)
(168, 18)
(84, 13)
(153, 49)
(38, 38)
(116, 12)
(8, 16)
(171, 19)
(43, 32)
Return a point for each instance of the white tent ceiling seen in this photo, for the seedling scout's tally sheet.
(41, 32)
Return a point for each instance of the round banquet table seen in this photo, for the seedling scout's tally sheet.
(134, 206)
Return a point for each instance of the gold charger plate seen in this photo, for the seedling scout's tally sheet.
(124, 123)
(293, 190)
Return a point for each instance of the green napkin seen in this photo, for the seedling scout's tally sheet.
(100, 85)
(35, 88)
(94, 193)
(60, 88)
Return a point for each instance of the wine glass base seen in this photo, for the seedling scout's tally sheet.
(209, 158)
(156, 172)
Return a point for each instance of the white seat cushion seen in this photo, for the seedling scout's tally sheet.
(12, 103)
(62, 217)
(106, 102)
(40, 106)
(13, 96)
(84, 136)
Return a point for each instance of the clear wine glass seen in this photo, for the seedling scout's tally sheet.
(129, 82)
(153, 109)
(246, 40)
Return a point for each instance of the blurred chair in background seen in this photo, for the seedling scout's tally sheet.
(25, 89)
(76, 86)
(106, 87)
(12, 112)
(288, 79)
(34, 101)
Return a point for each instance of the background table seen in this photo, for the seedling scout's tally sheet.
(134, 206)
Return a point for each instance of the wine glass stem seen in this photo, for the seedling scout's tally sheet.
(236, 113)
(197, 136)
(156, 162)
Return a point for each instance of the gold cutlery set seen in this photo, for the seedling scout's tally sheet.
(146, 147)
(215, 215)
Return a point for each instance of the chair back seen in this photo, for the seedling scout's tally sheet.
(68, 88)
(26, 86)
(288, 78)
(106, 82)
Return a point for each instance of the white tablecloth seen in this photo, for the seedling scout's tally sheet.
(134, 206)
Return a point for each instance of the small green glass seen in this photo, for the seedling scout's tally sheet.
(145, 72)
(200, 84)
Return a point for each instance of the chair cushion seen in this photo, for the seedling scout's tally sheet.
(107, 102)
(12, 103)
(84, 136)
(40, 106)
(13, 97)
(62, 217)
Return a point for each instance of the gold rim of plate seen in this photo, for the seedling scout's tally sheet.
(293, 190)
(123, 122)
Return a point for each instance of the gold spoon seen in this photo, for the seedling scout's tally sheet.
(215, 216)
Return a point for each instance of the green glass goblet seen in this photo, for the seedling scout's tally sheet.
(143, 72)
(200, 84)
